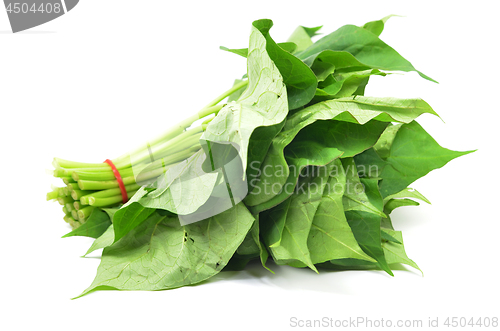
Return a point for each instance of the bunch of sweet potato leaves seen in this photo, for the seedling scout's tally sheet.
(303, 110)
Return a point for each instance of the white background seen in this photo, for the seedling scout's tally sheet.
(110, 74)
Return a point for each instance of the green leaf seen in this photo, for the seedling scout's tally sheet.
(387, 237)
(365, 46)
(236, 263)
(302, 37)
(258, 147)
(369, 164)
(94, 227)
(384, 144)
(290, 47)
(386, 222)
(111, 212)
(318, 144)
(396, 203)
(129, 217)
(161, 254)
(350, 138)
(345, 85)
(272, 223)
(274, 173)
(327, 62)
(364, 217)
(362, 109)
(105, 240)
(182, 189)
(330, 236)
(278, 180)
(252, 245)
(366, 229)
(238, 51)
(376, 27)
(293, 249)
(414, 153)
(407, 193)
(355, 195)
(299, 79)
(372, 192)
(395, 253)
(264, 102)
(349, 264)
(358, 110)
(236, 94)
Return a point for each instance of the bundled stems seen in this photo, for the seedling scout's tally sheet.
(91, 185)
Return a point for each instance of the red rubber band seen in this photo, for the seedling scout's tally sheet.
(119, 180)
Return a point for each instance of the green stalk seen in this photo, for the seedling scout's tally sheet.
(174, 157)
(182, 141)
(77, 194)
(82, 220)
(178, 129)
(65, 173)
(84, 213)
(109, 193)
(83, 179)
(224, 95)
(68, 180)
(69, 207)
(61, 163)
(65, 200)
(177, 153)
(103, 175)
(72, 186)
(104, 185)
(78, 205)
(53, 194)
(104, 202)
(120, 162)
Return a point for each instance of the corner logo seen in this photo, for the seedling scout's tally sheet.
(25, 14)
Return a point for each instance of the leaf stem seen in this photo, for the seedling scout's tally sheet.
(224, 95)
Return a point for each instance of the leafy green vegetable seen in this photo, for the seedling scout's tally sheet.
(330, 236)
(395, 252)
(104, 240)
(407, 193)
(364, 46)
(161, 254)
(182, 189)
(275, 172)
(94, 227)
(383, 146)
(299, 79)
(376, 27)
(366, 229)
(264, 102)
(344, 85)
(292, 163)
(302, 37)
(414, 153)
(292, 248)
(356, 194)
